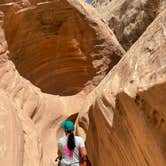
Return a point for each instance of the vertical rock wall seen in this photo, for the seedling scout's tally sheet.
(123, 119)
(129, 18)
(33, 118)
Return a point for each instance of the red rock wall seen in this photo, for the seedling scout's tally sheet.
(123, 119)
(55, 44)
(31, 46)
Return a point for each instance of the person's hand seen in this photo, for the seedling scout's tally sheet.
(85, 161)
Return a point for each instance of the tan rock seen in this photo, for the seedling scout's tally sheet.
(71, 40)
(129, 18)
(65, 54)
(11, 136)
(123, 119)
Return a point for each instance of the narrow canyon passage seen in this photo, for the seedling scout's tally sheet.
(54, 54)
(59, 60)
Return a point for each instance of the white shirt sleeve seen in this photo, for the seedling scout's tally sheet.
(81, 143)
(60, 147)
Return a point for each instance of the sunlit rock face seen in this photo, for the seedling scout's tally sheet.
(123, 119)
(65, 48)
(67, 54)
(11, 137)
(58, 49)
(129, 18)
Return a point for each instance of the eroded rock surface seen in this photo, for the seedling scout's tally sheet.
(64, 50)
(64, 55)
(129, 18)
(11, 135)
(123, 119)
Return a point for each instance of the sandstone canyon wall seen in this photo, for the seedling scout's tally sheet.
(59, 47)
(123, 119)
(60, 60)
(129, 18)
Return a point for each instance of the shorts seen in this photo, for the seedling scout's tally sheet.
(62, 163)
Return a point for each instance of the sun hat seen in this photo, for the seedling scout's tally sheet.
(68, 125)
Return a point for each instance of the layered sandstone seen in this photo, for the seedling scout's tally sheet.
(66, 49)
(123, 119)
(129, 18)
(62, 47)
(55, 44)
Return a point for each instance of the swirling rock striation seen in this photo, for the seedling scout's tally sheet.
(64, 48)
(123, 119)
(65, 55)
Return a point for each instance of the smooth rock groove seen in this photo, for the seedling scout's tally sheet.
(65, 55)
(60, 60)
(123, 119)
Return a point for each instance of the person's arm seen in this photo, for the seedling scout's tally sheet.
(83, 152)
(59, 157)
(59, 152)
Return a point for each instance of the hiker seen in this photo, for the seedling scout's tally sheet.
(71, 148)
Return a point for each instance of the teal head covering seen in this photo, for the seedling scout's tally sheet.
(68, 125)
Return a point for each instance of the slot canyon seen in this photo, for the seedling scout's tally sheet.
(100, 64)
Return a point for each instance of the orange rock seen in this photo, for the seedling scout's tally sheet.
(61, 47)
(123, 119)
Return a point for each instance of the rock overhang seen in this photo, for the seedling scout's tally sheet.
(57, 48)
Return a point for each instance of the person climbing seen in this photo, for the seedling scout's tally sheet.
(71, 148)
